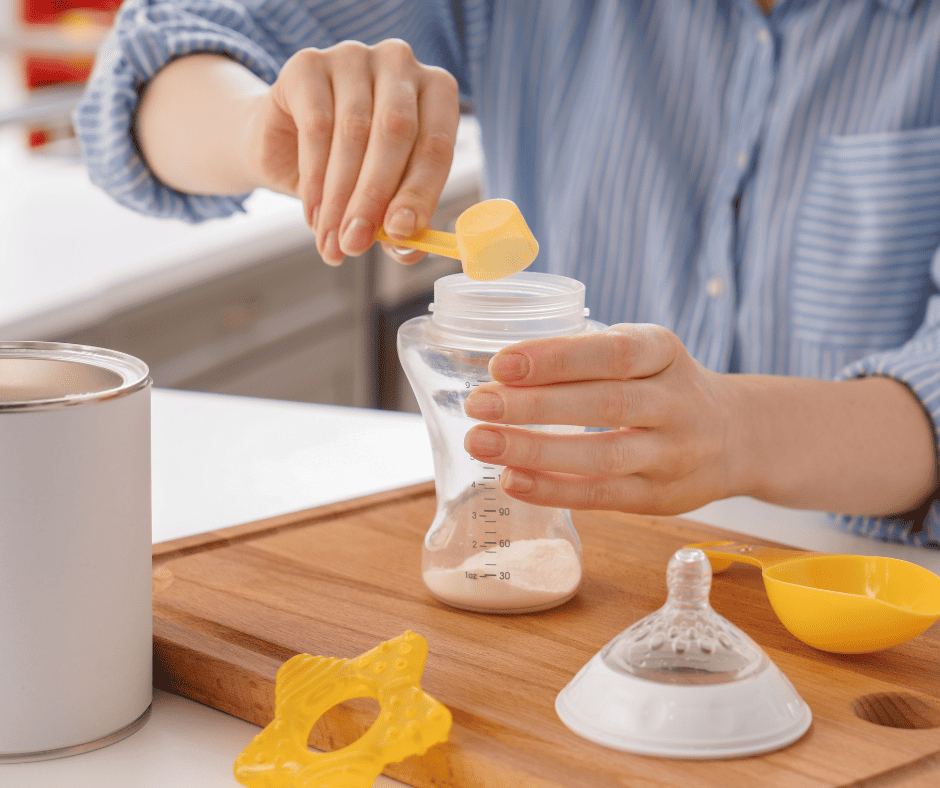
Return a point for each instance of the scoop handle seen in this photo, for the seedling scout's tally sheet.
(433, 241)
(723, 554)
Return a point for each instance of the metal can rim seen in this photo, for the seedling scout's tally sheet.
(134, 373)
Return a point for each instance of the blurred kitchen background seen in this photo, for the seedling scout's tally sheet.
(241, 306)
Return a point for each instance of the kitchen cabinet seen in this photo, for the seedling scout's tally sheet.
(286, 327)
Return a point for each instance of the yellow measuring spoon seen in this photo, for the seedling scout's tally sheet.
(848, 604)
(492, 240)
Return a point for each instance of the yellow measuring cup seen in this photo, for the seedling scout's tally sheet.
(848, 604)
(492, 240)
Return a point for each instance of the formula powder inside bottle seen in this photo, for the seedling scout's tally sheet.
(528, 575)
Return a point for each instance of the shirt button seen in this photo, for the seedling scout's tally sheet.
(763, 36)
(715, 287)
(741, 159)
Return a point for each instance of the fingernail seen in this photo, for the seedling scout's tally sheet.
(314, 217)
(331, 253)
(485, 443)
(357, 238)
(518, 481)
(509, 367)
(484, 406)
(402, 224)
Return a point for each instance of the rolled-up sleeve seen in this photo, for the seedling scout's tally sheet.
(916, 365)
(261, 35)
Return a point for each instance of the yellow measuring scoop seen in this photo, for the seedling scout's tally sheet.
(492, 241)
(848, 604)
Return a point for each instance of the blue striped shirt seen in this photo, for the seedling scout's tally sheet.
(767, 187)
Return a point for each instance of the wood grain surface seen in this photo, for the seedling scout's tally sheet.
(231, 606)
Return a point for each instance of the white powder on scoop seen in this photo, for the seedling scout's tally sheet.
(530, 574)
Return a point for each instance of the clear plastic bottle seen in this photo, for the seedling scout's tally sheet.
(485, 551)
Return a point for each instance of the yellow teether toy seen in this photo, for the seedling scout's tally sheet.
(410, 720)
(492, 240)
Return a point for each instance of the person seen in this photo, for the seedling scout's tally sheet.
(751, 196)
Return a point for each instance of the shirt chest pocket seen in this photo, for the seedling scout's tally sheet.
(866, 232)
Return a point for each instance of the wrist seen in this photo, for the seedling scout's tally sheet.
(241, 113)
(249, 144)
(745, 437)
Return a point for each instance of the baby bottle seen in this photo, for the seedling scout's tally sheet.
(486, 551)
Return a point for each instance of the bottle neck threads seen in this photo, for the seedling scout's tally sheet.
(523, 306)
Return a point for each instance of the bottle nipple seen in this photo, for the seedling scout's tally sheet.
(683, 682)
(685, 641)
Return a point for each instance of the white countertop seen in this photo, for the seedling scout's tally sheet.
(221, 460)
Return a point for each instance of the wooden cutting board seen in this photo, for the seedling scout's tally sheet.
(231, 606)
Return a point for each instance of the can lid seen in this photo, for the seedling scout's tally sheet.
(50, 375)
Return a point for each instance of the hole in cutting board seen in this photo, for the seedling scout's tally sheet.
(897, 710)
(344, 724)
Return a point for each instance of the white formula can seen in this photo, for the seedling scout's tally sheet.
(75, 549)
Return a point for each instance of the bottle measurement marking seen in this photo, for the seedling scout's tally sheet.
(488, 482)
(489, 516)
